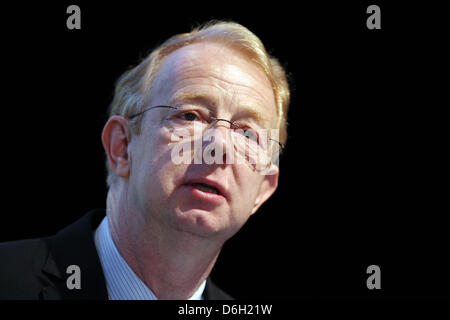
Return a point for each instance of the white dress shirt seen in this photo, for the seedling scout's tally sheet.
(121, 281)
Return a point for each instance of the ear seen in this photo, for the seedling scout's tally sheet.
(268, 187)
(115, 138)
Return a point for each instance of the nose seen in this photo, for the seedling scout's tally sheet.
(217, 146)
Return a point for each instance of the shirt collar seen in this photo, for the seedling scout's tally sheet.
(121, 281)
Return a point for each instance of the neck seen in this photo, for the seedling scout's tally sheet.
(172, 263)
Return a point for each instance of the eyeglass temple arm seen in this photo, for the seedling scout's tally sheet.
(281, 145)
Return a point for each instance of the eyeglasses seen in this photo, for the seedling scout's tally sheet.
(256, 145)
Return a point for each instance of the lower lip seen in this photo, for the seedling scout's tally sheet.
(205, 196)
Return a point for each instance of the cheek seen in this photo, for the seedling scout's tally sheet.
(150, 149)
(248, 184)
(152, 166)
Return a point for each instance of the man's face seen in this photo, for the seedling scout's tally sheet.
(222, 83)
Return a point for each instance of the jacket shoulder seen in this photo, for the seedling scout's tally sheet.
(20, 268)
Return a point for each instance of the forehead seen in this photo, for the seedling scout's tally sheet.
(215, 72)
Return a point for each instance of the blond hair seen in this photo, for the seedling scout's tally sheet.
(132, 92)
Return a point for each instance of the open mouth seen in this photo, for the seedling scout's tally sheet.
(205, 188)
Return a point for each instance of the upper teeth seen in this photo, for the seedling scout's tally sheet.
(206, 188)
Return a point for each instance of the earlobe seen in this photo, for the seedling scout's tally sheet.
(268, 187)
(115, 138)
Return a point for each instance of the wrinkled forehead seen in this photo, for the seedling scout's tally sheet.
(218, 73)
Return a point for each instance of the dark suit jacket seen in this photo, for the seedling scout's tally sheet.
(36, 269)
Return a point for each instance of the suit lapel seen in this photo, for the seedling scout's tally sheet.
(75, 245)
(212, 292)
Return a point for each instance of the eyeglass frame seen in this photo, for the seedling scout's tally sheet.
(214, 118)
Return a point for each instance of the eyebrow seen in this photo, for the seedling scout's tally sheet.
(193, 96)
(251, 113)
(244, 111)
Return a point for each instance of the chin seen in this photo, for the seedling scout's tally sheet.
(204, 224)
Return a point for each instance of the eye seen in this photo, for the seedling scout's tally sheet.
(251, 134)
(189, 116)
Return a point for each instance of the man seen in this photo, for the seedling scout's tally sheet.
(169, 208)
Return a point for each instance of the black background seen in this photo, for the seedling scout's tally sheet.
(363, 179)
